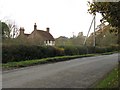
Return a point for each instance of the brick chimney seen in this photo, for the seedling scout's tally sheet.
(22, 30)
(35, 26)
(48, 29)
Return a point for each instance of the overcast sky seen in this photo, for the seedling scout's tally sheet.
(63, 17)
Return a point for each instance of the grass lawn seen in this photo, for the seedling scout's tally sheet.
(111, 79)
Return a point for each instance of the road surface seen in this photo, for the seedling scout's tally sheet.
(76, 73)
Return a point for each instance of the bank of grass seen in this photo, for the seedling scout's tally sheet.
(26, 63)
(12, 65)
(111, 80)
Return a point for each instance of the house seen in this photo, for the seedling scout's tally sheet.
(37, 37)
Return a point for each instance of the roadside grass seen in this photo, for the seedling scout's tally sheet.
(108, 53)
(13, 65)
(111, 80)
(26, 63)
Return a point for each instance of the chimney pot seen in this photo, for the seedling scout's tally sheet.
(22, 30)
(35, 26)
(48, 29)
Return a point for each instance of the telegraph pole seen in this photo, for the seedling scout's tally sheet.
(94, 34)
(84, 43)
(94, 40)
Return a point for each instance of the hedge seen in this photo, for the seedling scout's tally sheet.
(12, 53)
(22, 52)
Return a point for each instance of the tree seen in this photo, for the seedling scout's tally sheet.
(110, 12)
(103, 37)
(5, 30)
(13, 28)
(9, 29)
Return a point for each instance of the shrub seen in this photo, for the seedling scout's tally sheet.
(12, 53)
(23, 52)
(100, 50)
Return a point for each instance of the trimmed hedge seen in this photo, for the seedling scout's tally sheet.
(22, 52)
(15, 53)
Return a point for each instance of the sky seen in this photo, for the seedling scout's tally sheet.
(63, 17)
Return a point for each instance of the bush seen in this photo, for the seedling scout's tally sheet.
(12, 53)
(74, 50)
(23, 52)
(100, 50)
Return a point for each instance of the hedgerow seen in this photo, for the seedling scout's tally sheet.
(13, 53)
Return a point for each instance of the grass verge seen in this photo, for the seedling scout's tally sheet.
(13, 65)
(110, 80)
(26, 63)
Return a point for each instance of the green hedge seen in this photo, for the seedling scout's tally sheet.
(12, 53)
(74, 50)
(22, 52)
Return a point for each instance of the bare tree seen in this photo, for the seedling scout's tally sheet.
(14, 32)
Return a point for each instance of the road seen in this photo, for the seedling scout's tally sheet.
(76, 73)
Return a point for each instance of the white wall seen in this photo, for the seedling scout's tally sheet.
(49, 43)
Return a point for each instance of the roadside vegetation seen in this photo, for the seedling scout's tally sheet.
(12, 65)
(17, 53)
(111, 80)
(107, 41)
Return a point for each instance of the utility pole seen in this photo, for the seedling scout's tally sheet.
(94, 42)
(88, 31)
(94, 35)
(84, 43)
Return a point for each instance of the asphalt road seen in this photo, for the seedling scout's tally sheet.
(76, 73)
